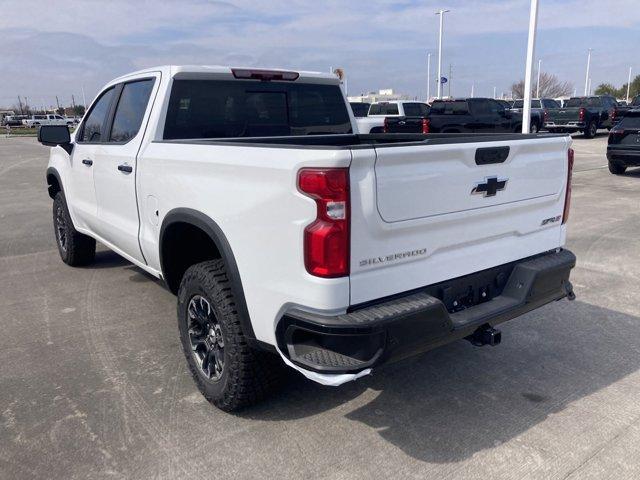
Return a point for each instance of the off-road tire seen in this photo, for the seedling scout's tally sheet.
(616, 168)
(248, 375)
(591, 129)
(75, 248)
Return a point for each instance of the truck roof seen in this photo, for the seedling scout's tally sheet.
(173, 70)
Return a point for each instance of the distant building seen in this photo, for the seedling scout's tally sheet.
(384, 95)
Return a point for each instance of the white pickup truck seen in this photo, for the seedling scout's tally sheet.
(34, 121)
(289, 239)
(374, 121)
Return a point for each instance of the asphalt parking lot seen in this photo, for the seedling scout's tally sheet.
(93, 383)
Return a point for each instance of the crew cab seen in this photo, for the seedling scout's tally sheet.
(34, 121)
(623, 146)
(290, 240)
(473, 115)
(378, 111)
(583, 114)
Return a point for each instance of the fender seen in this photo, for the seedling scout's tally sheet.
(54, 172)
(211, 228)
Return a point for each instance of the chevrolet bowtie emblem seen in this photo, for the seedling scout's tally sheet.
(490, 186)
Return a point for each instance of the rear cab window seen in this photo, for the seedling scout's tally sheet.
(455, 107)
(249, 108)
(631, 120)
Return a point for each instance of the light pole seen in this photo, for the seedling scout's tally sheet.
(472, 89)
(538, 81)
(589, 90)
(586, 77)
(531, 46)
(428, 76)
(441, 13)
(494, 93)
(628, 84)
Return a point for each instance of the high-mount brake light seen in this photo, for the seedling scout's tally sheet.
(326, 239)
(264, 75)
(567, 198)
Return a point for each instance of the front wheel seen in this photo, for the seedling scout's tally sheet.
(75, 248)
(227, 371)
(616, 168)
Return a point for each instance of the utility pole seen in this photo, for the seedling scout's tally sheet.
(531, 46)
(428, 76)
(628, 84)
(586, 77)
(84, 99)
(20, 103)
(57, 103)
(441, 13)
(538, 82)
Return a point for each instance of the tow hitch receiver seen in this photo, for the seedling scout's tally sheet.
(485, 335)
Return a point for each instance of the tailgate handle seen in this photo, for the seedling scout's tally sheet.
(489, 155)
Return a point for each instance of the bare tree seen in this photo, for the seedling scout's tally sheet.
(550, 86)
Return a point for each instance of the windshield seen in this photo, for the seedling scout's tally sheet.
(383, 109)
(240, 108)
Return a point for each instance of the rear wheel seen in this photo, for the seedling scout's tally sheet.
(227, 371)
(75, 248)
(591, 129)
(616, 168)
(534, 128)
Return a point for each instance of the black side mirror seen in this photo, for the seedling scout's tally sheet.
(55, 135)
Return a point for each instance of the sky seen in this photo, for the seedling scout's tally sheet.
(61, 47)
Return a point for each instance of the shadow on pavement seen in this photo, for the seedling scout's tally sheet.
(452, 402)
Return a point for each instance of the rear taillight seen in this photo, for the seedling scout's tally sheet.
(581, 114)
(567, 198)
(385, 127)
(326, 240)
(615, 135)
(545, 115)
(612, 114)
(426, 125)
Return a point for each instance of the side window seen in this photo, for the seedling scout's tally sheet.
(424, 109)
(94, 123)
(130, 111)
(480, 107)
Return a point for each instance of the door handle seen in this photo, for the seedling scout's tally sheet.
(87, 162)
(125, 168)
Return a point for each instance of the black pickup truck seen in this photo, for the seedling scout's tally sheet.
(623, 147)
(413, 121)
(470, 115)
(583, 114)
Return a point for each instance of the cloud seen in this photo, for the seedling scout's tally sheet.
(55, 47)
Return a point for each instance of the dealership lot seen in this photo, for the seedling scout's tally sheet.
(93, 381)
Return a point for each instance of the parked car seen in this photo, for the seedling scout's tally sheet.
(34, 121)
(378, 111)
(621, 110)
(583, 114)
(291, 240)
(539, 110)
(13, 120)
(472, 115)
(414, 120)
(623, 148)
(359, 109)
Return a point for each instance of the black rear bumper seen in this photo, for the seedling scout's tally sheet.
(626, 158)
(417, 321)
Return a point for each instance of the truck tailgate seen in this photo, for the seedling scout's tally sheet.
(436, 212)
(562, 116)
